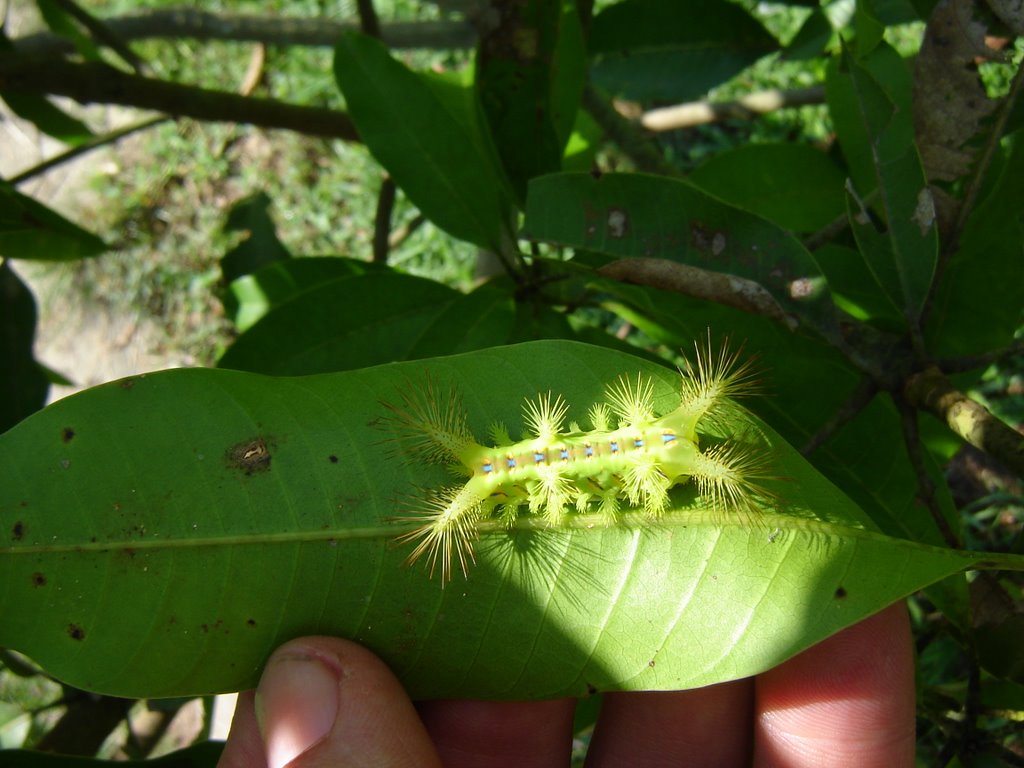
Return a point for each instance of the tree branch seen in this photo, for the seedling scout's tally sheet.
(627, 134)
(744, 108)
(730, 290)
(931, 391)
(86, 146)
(95, 82)
(174, 23)
(848, 411)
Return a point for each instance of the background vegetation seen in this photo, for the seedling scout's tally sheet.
(872, 150)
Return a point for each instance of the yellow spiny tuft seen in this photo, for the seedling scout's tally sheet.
(600, 417)
(728, 476)
(498, 433)
(645, 485)
(430, 426)
(713, 378)
(543, 417)
(632, 402)
(448, 520)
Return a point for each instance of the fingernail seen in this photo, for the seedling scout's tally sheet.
(296, 704)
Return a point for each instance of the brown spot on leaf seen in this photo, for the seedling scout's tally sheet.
(18, 531)
(75, 632)
(333, 459)
(38, 579)
(249, 456)
(67, 434)
(251, 622)
(840, 592)
(591, 689)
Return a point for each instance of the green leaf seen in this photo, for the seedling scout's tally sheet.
(429, 139)
(251, 296)
(47, 117)
(348, 322)
(812, 38)
(529, 75)
(23, 382)
(793, 185)
(870, 98)
(61, 23)
(972, 313)
(261, 245)
(806, 381)
(161, 535)
(628, 215)
(29, 230)
(855, 289)
(667, 50)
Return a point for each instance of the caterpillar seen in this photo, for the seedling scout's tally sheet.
(629, 456)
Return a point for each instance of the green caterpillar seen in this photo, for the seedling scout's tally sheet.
(629, 455)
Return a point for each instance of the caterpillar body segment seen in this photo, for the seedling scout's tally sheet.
(629, 458)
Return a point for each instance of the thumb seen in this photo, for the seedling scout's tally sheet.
(323, 701)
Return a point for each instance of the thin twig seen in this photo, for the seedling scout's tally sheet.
(176, 23)
(744, 108)
(969, 363)
(925, 486)
(95, 82)
(382, 219)
(855, 403)
(627, 134)
(404, 232)
(103, 34)
(86, 146)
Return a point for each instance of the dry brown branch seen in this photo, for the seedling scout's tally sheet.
(931, 391)
(174, 23)
(745, 108)
(730, 290)
(94, 82)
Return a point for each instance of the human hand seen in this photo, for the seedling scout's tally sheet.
(847, 701)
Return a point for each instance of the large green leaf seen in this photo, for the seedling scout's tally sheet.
(260, 245)
(793, 185)
(665, 49)
(344, 322)
(870, 99)
(162, 534)
(427, 134)
(251, 296)
(628, 215)
(971, 312)
(30, 230)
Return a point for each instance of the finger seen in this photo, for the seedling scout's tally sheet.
(244, 747)
(325, 702)
(493, 734)
(704, 726)
(849, 700)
